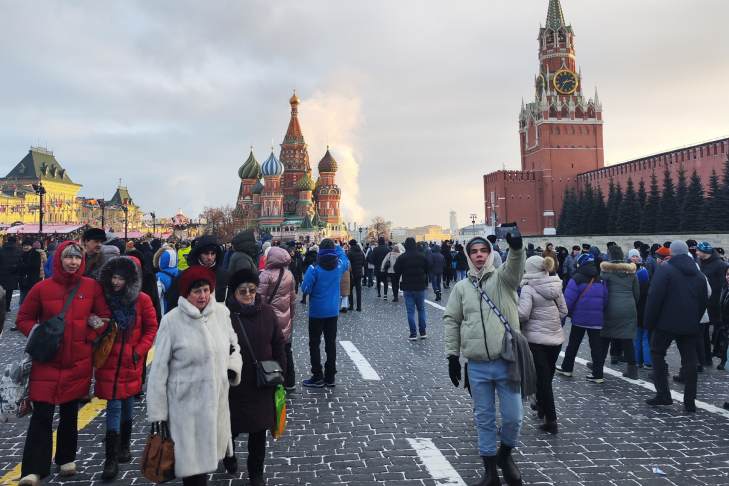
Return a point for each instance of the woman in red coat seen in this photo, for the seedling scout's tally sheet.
(120, 378)
(67, 377)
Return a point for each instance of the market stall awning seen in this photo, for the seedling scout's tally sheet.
(48, 229)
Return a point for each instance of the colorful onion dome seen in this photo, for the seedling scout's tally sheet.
(327, 163)
(250, 169)
(306, 183)
(258, 188)
(294, 99)
(272, 166)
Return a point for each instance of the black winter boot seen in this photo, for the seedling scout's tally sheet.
(111, 463)
(125, 454)
(490, 473)
(631, 372)
(511, 473)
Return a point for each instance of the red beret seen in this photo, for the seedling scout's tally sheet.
(193, 274)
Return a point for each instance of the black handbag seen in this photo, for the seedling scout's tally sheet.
(45, 340)
(268, 373)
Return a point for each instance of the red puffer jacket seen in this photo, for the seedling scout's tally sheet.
(68, 376)
(121, 375)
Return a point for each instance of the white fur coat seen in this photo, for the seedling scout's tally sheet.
(188, 383)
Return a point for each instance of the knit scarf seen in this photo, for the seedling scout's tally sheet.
(124, 313)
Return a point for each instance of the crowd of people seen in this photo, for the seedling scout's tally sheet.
(213, 310)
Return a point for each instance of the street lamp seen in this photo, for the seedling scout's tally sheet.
(41, 191)
(154, 224)
(360, 235)
(102, 205)
(473, 217)
(126, 220)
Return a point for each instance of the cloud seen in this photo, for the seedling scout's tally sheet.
(333, 119)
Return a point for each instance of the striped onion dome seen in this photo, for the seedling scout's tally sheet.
(250, 169)
(272, 166)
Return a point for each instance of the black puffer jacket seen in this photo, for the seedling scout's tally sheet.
(413, 267)
(356, 261)
(677, 297)
(714, 268)
(378, 255)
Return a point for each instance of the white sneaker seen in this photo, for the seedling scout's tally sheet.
(68, 469)
(30, 480)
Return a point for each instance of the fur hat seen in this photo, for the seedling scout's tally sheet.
(537, 264)
(242, 276)
(127, 268)
(96, 234)
(194, 274)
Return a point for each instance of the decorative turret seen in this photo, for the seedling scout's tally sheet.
(250, 169)
(328, 193)
(306, 183)
(327, 163)
(258, 188)
(294, 156)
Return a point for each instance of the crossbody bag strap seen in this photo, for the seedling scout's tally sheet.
(592, 281)
(278, 283)
(62, 315)
(245, 338)
(491, 304)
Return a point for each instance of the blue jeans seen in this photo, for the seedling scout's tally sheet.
(118, 411)
(435, 281)
(415, 299)
(460, 275)
(487, 377)
(642, 347)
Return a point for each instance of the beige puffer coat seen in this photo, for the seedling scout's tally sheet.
(466, 317)
(542, 308)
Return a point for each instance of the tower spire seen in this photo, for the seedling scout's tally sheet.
(555, 15)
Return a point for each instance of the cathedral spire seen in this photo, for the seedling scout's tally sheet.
(555, 15)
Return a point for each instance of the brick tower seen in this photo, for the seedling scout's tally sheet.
(560, 135)
(328, 193)
(295, 158)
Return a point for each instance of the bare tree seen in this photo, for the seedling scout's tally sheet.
(379, 227)
(220, 221)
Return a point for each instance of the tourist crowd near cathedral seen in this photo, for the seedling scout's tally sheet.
(280, 197)
(561, 144)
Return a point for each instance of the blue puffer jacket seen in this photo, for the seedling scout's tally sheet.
(588, 311)
(166, 260)
(321, 283)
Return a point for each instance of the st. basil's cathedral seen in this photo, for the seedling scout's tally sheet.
(281, 198)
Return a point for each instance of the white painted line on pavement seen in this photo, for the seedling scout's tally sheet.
(364, 367)
(649, 386)
(435, 462)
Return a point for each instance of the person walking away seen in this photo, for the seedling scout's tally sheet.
(309, 260)
(437, 263)
(541, 310)
(11, 260)
(621, 313)
(344, 286)
(277, 289)
(376, 258)
(165, 260)
(387, 269)
(413, 268)
(461, 262)
(245, 254)
(677, 299)
(641, 343)
(29, 271)
(252, 409)
(296, 267)
(570, 264)
(445, 250)
(208, 252)
(724, 313)
(119, 380)
(356, 264)
(197, 359)
(475, 332)
(370, 269)
(66, 378)
(586, 296)
(48, 267)
(321, 283)
(714, 268)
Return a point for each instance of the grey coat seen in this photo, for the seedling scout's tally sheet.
(621, 315)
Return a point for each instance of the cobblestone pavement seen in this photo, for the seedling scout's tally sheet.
(360, 432)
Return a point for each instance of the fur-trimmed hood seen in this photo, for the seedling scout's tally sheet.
(617, 267)
(125, 267)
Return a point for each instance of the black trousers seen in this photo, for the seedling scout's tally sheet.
(256, 453)
(573, 345)
(622, 347)
(290, 375)
(196, 480)
(703, 345)
(660, 342)
(545, 361)
(355, 284)
(395, 281)
(8, 296)
(328, 327)
(39, 440)
(381, 278)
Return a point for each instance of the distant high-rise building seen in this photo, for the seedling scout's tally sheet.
(453, 223)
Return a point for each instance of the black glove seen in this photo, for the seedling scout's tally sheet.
(466, 383)
(231, 375)
(454, 369)
(515, 242)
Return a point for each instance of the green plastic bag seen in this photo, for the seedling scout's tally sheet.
(279, 398)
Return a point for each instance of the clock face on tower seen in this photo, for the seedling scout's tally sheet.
(565, 82)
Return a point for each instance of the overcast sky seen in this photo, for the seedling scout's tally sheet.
(418, 99)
